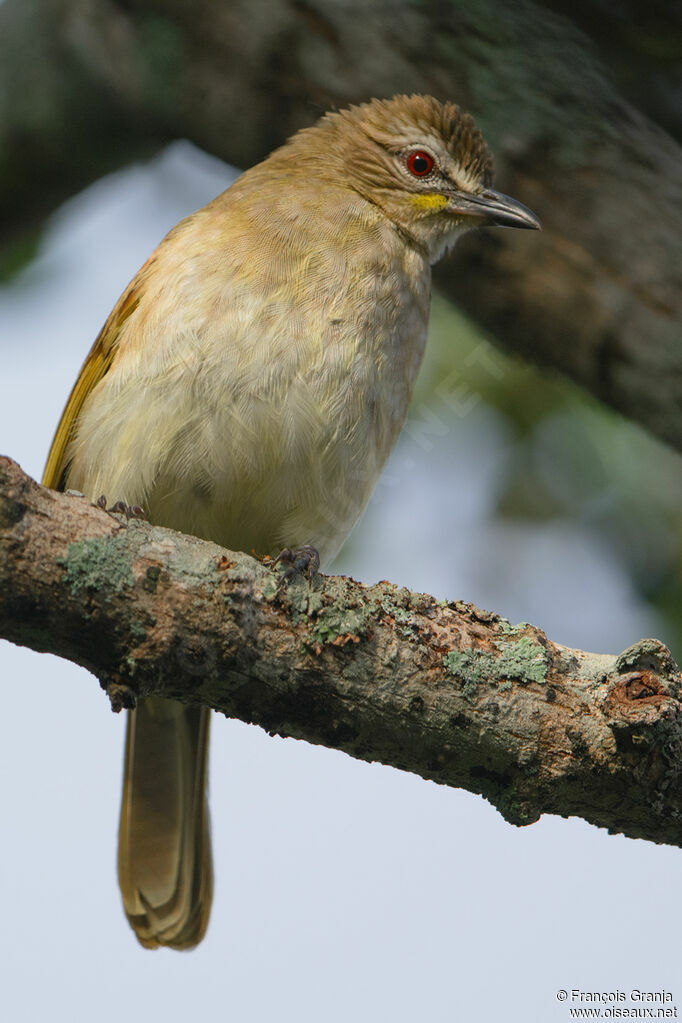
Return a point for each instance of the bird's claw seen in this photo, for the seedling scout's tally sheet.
(121, 508)
(303, 560)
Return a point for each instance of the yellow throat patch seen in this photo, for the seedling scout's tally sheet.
(429, 201)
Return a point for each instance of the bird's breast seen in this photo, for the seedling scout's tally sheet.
(261, 416)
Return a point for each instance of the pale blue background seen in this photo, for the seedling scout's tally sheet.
(344, 890)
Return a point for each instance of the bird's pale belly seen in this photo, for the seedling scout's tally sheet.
(266, 427)
(276, 457)
(297, 468)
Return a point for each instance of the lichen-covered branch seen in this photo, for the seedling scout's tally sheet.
(84, 84)
(444, 690)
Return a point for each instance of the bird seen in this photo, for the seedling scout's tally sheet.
(247, 388)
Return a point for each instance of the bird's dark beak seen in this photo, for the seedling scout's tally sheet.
(495, 209)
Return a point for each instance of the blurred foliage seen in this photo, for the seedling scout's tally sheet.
(18, 253)
(568, 456)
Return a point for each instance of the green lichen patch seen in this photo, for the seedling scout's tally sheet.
(270, 588)
(97, 563)
(304, 601)
(524, 659)
(338, 624)
(303, 597)
(506, 628)
(473, 666)
(314, 602)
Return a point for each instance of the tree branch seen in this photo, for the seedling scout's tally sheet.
(447, 691)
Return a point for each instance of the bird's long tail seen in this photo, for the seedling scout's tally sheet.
(164, 850)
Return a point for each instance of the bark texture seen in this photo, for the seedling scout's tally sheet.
(445, 690)
(86, 85)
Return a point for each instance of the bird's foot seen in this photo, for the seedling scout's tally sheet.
(121, 508)
(298, 561)
(121, 696)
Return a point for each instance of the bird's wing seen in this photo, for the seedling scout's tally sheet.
(96, 365)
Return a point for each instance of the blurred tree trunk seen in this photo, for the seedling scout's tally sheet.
(641, 45)
(588, 141)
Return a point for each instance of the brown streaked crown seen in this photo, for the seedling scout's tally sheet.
(390, 121)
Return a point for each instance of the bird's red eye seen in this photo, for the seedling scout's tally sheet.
(420, 163)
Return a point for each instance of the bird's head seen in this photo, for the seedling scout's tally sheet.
(423, 163)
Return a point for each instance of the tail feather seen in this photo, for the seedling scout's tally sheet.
(164, 852)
